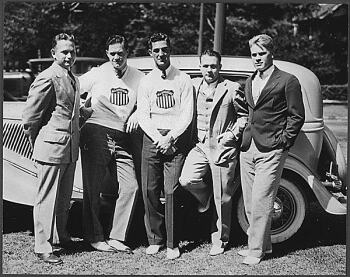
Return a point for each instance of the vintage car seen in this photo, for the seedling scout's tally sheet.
(315, 169)
(16, 83)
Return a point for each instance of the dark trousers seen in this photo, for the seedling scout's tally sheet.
(105, 148)
(161, 172)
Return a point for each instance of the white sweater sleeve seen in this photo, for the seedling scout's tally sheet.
(144, 112)
(186, 109)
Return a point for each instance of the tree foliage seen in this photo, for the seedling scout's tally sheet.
(30, 26)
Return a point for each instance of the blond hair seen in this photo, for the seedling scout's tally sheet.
(262, 40)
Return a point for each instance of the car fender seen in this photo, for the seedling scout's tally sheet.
(328, 202)
(333, 149)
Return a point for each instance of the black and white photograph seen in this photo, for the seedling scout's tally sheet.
(174, 138)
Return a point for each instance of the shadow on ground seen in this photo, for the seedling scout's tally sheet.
(319, 229)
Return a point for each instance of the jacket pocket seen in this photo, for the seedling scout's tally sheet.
(55, 137)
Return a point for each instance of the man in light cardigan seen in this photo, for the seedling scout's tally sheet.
(221, 115)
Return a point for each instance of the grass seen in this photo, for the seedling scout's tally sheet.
(319, 249)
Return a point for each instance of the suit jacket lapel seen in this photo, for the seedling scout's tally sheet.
(219, 91)
(248, 91)
(271, 83)
(65, 82)
(196, 84)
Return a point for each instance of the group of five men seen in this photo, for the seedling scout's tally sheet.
(164, 132)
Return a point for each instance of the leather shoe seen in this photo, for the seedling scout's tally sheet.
(56, 248)
(102, 246)
(216, 250)
(172, 254)
(64, 245)
(119, 246)
(49, 258)
(153, 249)
(245, 252)
(250, 260)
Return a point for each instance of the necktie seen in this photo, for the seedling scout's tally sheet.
(72, 79)
(119, 73)
(163, 74)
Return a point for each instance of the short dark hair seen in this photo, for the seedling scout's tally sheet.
(117, 39)
(62, 36)
(212, 53)
(158, 37)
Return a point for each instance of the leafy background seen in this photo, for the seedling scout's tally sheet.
(29, 27)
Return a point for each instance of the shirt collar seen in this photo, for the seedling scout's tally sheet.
(166, 70)
(211, 85)
(123, 71)
(267, 73)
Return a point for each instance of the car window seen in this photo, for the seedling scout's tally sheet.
(39, 66)
(78, 68)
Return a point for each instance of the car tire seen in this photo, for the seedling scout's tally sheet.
(290, 211)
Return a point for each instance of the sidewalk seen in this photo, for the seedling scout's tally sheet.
(335, 110)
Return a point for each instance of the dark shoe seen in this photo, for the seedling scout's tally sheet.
(67, 245)
(49, 258)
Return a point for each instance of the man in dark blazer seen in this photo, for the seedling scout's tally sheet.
(221, 115)
(51, 123)
(276, 115)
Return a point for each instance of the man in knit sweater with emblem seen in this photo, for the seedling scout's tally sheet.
(221, 115)
(165, 110)
(105, 144)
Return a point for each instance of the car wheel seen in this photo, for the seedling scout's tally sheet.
(290, 209)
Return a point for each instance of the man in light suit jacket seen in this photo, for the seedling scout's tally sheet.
(221, 115)
(51, 123)
(276, 115)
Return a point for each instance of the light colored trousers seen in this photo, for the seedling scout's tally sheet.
(260, 175)
(51, 206)
(197, 164)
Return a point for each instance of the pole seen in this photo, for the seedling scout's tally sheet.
(219, 26)
(200, 37)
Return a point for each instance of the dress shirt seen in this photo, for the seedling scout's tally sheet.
(259, 82)
(208, 89)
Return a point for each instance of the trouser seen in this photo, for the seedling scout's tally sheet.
(260, 174)
(51, 205)
(161, 172)
(136, 141)
(197, 164)
(102, 149)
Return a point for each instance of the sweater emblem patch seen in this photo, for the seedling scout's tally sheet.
(119, 96)
(165, 99)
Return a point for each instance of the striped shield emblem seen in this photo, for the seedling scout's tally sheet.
(119, 96)
(165, 99)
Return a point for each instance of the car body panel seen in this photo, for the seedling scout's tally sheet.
(303, 157)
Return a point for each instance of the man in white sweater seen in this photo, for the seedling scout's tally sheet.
(165, 111)
(105, 144)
